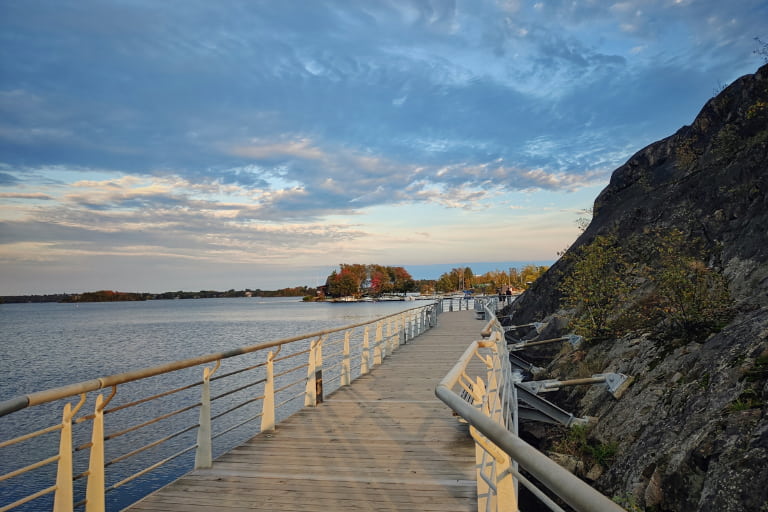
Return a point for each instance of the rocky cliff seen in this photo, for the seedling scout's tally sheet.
(691, 433)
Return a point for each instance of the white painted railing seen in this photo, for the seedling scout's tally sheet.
(456, 303)
(160, 416)
(489, 404)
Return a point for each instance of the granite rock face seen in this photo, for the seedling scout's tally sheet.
(692, 431)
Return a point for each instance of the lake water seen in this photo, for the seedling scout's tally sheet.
(50, 345)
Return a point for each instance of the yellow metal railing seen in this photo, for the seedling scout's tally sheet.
(156, 416)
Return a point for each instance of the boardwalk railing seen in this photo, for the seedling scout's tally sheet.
(162, 416)
(490, 407)
(457, 303)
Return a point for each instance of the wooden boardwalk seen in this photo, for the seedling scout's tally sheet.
(383, 443)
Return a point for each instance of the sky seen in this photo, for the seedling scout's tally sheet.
(186, 145)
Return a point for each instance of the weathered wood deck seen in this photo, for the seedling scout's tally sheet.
(383, 443)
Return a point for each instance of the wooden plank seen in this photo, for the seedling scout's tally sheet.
(384, 443)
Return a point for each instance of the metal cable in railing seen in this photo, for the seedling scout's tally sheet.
(238, 406)
(295, 397)
(241, 370)
(149, 422)
(291, 370)
(31, 435)
(277, 359)
(237, 425)
(29, 498)
(157, 442)
(241, 388)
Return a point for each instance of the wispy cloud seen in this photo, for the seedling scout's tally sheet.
(269, 130)
(20, 195)
(301, 148)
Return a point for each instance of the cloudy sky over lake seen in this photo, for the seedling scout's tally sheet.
(161, 145)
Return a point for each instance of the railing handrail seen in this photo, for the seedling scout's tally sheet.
(559, 480)
(571, 489)
(52, 394)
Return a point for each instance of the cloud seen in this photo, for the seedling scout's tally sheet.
(242, 131)
(324, 179)
(7, 179)
(171, 234)
(383, 75)
(301, 148)
(21, 195)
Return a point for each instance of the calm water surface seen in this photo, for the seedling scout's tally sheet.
(49, 345)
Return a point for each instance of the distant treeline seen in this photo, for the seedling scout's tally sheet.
(350, 280)
(16, 299)
(115, 296)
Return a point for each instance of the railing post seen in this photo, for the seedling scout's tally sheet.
(204, 452)
(419, 318)
(505, 483)
(394, 339)
(484, 493)
(387, 342)
(419, 323)
(405, 321)
(378, 357)
(94, 493)
(268, 407)
(407, 317)
(346, 371)
(313, 393)
(366, 354)
(64, 497)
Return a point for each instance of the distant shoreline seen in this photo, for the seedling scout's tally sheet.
(114, 296)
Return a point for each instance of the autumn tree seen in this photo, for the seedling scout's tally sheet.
(692, 296)
(380, 281)
(597, 286)
(356, 279)
(451, 281)
(402, 282)
(468, 278)
(516, 278)
(446, 283)
(358, 272)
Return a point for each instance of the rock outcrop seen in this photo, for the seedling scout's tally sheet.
(691, 433)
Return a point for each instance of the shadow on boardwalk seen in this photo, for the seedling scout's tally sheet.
(383, 443)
